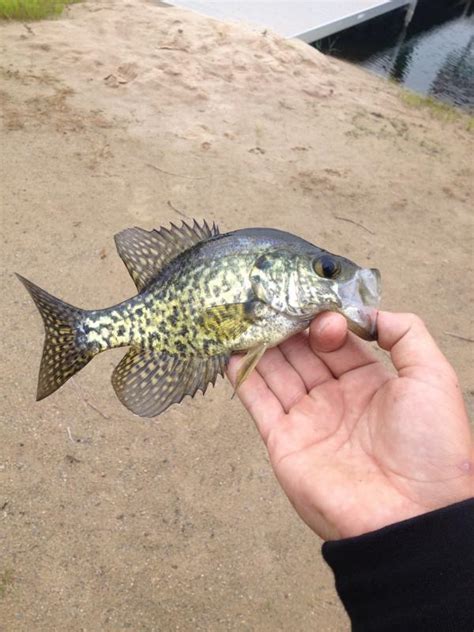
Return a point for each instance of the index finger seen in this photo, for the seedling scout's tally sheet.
(410, 344)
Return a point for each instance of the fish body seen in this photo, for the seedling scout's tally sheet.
(201, 297)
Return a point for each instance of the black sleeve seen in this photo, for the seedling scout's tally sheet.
(416, 575)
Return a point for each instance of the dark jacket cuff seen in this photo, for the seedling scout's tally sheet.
(413, 575)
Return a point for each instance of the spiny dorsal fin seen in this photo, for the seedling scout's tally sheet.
(148, 383)
(146, 252)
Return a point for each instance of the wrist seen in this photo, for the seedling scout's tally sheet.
(370, 512)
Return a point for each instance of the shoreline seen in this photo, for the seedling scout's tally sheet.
(116, 115)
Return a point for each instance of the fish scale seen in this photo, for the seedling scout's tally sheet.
(201, 297)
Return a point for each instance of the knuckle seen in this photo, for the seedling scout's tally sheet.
(415, 321)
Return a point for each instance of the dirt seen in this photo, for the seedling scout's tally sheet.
(120, 114)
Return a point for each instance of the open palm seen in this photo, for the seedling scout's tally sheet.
(355, 445)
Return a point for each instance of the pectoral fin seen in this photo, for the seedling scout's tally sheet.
(228, 322)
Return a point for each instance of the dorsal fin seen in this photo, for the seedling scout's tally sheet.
(146, 252)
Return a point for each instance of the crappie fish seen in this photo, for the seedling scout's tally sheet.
(201, 297)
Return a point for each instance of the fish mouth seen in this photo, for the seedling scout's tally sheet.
(360, 299)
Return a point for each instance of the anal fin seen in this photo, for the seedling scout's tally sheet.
(148, 383)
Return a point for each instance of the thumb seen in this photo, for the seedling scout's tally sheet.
(328, 332)
(410, 344)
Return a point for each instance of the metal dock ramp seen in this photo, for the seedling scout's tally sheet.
(308, 20)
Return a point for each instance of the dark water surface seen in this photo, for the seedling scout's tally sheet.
(433, 55)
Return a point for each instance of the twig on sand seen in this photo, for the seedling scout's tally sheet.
(182, 50)
(75, 440)
(465, 338)
(176, 210)
(87, 402)
(178, 175)
(351, 221)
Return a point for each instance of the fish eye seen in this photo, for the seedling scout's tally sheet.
(327, 267)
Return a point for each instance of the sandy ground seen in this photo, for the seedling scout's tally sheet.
(122, 114)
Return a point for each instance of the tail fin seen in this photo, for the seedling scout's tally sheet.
(62, 355)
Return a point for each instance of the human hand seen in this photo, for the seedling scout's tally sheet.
(354, 445)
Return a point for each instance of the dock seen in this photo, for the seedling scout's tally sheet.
(308, 20)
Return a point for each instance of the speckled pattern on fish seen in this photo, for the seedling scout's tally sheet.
(201, 297)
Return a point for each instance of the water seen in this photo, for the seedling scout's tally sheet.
(433, 56)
